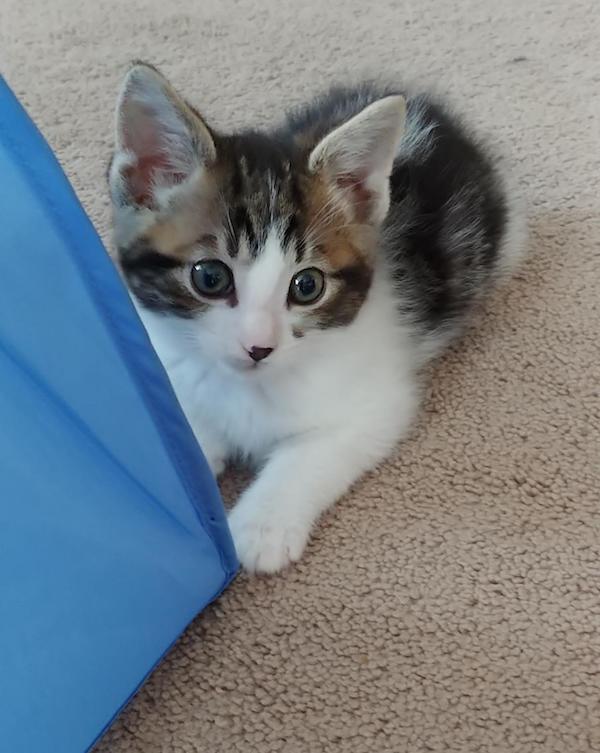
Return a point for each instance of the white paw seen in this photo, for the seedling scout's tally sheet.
(216, 464)
(266, 542)
(216, 461)
(213, 451)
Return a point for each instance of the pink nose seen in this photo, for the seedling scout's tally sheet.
(258, 354)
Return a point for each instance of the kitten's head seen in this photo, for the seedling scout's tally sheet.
(259, 241)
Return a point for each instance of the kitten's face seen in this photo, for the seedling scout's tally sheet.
(257, 243)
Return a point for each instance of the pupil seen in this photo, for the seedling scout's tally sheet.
(211, 279)
(307, 285)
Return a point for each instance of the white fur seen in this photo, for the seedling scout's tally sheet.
(513, 246)
(260, 293)
(318, 413)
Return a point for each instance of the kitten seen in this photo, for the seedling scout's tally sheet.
(293, 282)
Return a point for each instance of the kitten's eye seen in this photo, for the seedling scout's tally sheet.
(212, 278)
(307, 286)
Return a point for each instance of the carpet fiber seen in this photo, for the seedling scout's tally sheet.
(451, 602)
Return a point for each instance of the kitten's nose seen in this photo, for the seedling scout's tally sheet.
(257, 354)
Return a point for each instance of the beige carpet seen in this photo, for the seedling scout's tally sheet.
(452, 601)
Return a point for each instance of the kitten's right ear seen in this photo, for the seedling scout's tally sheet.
(357, 157)
(160, 141)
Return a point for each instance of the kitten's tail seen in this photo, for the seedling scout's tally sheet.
(511, 253)
(514, 243)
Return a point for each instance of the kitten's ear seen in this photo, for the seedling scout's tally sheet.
(358, 156)
(160, 141)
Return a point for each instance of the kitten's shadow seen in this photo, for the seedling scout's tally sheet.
(233, 481)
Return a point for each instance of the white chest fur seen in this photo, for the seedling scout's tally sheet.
(318, 424)
(358, 377)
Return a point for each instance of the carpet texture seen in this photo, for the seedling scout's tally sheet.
(451, 602)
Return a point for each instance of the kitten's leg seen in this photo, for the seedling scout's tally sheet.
(212, 448)
(271, 522)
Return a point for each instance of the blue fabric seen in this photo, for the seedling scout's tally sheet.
(112, 531)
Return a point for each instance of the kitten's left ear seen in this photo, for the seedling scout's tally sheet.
(160, 141)
(357, 157)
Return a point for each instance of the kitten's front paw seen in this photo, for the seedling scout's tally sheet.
(216, 465)
(213, 449)
(266, 543)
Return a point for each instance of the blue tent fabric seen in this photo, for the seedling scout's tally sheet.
(112, 531)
